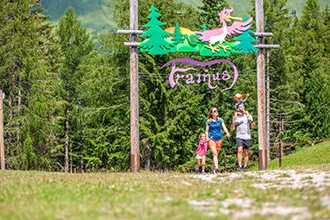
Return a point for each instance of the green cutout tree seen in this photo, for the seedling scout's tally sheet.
(178, 37)
(155, 42)
(246, 40)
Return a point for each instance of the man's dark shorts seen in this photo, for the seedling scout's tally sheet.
(246, 144)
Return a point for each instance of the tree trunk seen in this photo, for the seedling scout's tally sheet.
(148, 156)
(81, 153)
(66, 153)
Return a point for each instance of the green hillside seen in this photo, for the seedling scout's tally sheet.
(318, 154)
(97, 14)
(94, 14)
(242, 7)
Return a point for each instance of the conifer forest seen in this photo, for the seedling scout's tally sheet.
(66, 103)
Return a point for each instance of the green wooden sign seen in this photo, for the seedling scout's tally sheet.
(158, 41)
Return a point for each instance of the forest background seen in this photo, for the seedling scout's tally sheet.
(67, 89)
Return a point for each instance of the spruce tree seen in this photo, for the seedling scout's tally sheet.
(306, 54)
(284, 104)
(209, 12)
(317, 104)
(29, 80)
(75, 44)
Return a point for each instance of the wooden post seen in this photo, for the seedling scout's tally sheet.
(134, 90)
(261, 86)
(2, 147)
(268, 108)
(280, 151)
(134, 84)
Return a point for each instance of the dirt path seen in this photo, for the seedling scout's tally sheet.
(279, 180)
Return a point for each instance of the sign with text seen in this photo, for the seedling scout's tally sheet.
(189, 75)
(207, 42)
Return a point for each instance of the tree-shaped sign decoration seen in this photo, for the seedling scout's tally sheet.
(246, 40)
(212, 42)
(155, 42)
(178, 37)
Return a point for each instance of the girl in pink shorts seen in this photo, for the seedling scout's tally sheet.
(201, 152)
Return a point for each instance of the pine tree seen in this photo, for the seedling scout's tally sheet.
(105, 111)
(317, 104)
(209, 12)
(75, 45)
(326, 34)
(307, 51)
(29, 80)
(285, 106)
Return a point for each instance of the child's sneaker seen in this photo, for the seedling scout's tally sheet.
(239, 169)
(203, 172)
(244, 169)
(196, 170)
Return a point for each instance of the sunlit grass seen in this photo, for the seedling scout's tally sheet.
(307, 156)
(292, 192)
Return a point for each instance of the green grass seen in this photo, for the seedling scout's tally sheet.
(307, 156)
(295, 191)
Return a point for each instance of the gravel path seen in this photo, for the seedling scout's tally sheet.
(270, 179)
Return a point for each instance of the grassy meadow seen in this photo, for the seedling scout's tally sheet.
(299, 190)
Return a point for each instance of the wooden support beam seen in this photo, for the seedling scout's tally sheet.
(130, 32)
(132, 44)
(263, 34)
(134, 90)
(261, 87)
(134, 84)
(267, 46)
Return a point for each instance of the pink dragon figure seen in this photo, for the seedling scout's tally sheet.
(219, 34)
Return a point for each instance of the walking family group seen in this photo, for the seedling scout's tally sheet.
(212, 137)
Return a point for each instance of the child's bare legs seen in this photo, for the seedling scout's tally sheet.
(203, 164)
(198, 165)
